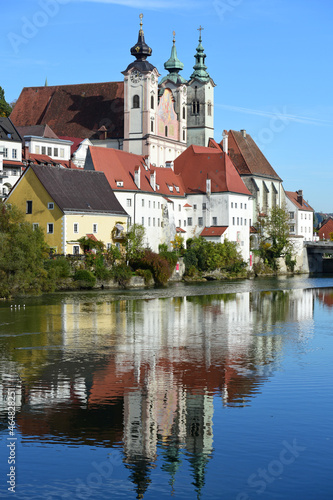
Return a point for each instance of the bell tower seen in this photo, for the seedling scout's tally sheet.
(140, 97)
(200, 101)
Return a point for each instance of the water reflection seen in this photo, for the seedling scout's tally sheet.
(145, 373)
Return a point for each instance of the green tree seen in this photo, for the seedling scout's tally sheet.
(5, 108)
(134, 242)
(23, 252)
(274, 241)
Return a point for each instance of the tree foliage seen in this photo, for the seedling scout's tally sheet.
(207, 256)
(134, 242)
(5, 108)
(23, 252)
(274, 242)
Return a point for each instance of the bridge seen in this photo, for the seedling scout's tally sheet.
(318, 256)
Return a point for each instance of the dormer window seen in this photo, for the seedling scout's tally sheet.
(120, 183)
(170, 188)
(136, 101)
(177, 189)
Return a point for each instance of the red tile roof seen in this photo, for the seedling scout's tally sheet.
(120, 166)
(73, 110)
(180, 230)
(325, 229)
(247, 157)
(198, 163)
(213, 231)
(213, 144)
(299, 202)
(37, 131)
(91, 237)
(75, 140)
(12, 163)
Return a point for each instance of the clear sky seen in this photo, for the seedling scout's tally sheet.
(271, 61)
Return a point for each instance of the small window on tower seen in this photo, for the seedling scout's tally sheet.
(184, 113)
(195, 107)
(166, 131)
(152, 126)
(152, 102)
(136, 101)
(209, 108)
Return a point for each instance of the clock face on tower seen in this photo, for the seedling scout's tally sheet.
(136, 76)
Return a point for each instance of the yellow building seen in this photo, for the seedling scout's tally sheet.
(69, 204)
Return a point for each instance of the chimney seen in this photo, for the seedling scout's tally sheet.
(225, 142)
(243, 133)
(147, 162)
(208, 186)
(137, 176)
(153, 180)
(300, 196)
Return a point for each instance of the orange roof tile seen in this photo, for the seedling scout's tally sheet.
(198, 163)
(293, 196)
(120, 165)
(213, 231)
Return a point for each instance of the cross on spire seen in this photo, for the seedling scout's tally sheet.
(141, 17)
(174, 35)
(200, 29)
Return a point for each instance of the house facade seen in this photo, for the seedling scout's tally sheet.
(300, 215)
(10, 156)
(67, 205)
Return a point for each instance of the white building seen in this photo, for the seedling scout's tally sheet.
(10, 156)
(301, 215)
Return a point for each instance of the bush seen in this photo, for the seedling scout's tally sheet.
(158, 265)
(146, 274)
(60, 266)
(121, 274)
(85, 278)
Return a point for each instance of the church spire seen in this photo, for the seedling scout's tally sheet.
(174, 65)
(200, 68)
(141, 50)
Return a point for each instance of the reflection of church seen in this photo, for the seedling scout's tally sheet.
(162, 118)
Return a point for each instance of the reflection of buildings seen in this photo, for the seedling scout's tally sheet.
(146, 373)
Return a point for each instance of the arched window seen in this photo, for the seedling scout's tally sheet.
(166, 131)
(195, 107)
(184, 113)
(152, 126)
(136, 101)
(184, 135)
(152, 102)
(209, 108)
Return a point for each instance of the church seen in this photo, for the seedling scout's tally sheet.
(141, 114)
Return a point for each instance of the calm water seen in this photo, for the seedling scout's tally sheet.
(217, 391)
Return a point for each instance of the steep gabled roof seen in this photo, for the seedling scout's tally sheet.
(78, 190)
(37, 131)
(198, 163)
(73, 110)
(8, 132)
(326, 228)
(213, 231)
(120, 166)
(299, 202)
(247, 157)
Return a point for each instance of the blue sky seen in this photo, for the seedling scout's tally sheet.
(270, 59)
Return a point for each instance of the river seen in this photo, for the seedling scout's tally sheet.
(217, 390)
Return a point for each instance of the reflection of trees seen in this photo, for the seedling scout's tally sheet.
(148, 371)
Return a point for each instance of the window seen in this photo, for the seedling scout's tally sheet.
(158, 222)
(153, 204)
(76, 249)
(189, 221)
(37, 150)
(179, 208)
(301, 216)
(76, 227)
(200, 221)
(195, 107)
(245, 206)
(214, 221)
(94, 228)
(233, 221)
(152, 102)
(304, 216)
(49, 228)
(128, 202)
(136, 101)
(209, 108)
(148, 221)
(120, 183)
(291, 215)
(153, 221)
(241, 221)
(108, 246)
(55, 152)
(184, 113)
(50, 205)
(166, 131)
(62, 153)
(35, 226)
(158, 205)
(149, 203)
(292, 228)
(232, 204)
(179, 223)
(151, 126)
(118, 245)
(184, 135)
(244, 222)
(29, 207)
(129, 221)
(204, 206)
(184, 223)
(194, 207)
(143, 221)
(14, 154)
(142, 202)
(235, 205)
(5, 152)
(14, 172)
(241, 205)
(237, 221)
(43, 150)
(49, 151)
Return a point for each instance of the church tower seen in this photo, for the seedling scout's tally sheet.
(140, 97)
(200, 101)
